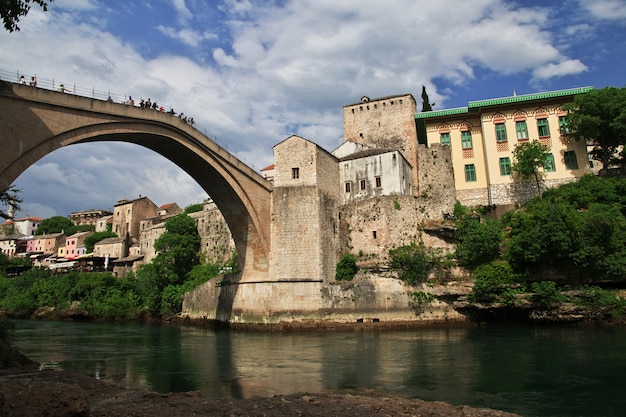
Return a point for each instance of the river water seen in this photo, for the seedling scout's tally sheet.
(533, 371)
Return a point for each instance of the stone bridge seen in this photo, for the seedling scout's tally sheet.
(35, 122)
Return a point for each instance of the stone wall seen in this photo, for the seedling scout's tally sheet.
(365, 299)
(436, 179)
(502, 195)
(375, 226)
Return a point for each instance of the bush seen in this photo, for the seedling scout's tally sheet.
(480, 240)
(346, 267)
(419, 301)
(599, 300)
(546, 294)
(414, 263)
(491, 281)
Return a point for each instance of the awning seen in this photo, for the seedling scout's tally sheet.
(62, 265)
(131, 258)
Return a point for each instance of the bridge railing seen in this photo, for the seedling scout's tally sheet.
(72, 88)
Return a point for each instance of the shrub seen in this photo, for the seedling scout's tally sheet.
(346, 267)
(420, 300)
(491, 280)
(413, 261)
(599, 300)
(480, 240)
(546, 294)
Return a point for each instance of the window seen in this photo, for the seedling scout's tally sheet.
(470, 173)
(505, 166)
(444, 138)
(466, 139)
(570, 160)
(564, 126)
(295, 173)
(348, 188)
(500, 132)
(549, 164)
(362, 183)
(522, 131)
(542, 128)
(378, 182)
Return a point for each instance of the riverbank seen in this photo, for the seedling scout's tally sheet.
(26, 391)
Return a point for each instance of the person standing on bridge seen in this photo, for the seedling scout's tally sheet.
(32, 82)
(63, 89)
(22, 80)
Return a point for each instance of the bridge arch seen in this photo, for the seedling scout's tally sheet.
(35, 122)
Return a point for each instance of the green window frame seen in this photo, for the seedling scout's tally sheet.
(542, 128)
(466, 139)
(570, 160)
(470, 173)
(564, 128)
(521, 130)
(505, 166)
(501, 132)
(549, 165)
(444, 139)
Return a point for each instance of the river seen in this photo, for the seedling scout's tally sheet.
(532, 371)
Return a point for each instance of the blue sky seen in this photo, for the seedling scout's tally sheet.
(253, 72)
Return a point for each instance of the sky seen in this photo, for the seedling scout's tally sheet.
(254, 72)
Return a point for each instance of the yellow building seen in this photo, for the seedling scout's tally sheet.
(483, 135)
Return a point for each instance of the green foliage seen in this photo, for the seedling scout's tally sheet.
(601, 301)
(54, 290)
(12, 10)
(177, 249)
(346, 267)
(546, 294)
(460, 210)
(479, 241)
(599, 116)
(578, 229)
(9, 197)
(491, 281)
(420, 300)
(193, 208)
(16, 294)
(91, 240)
(414, 263)
(54, 224)
(529, 157)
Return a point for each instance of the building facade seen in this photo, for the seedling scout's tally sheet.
(483, 137)
(88, 217)
(128, 214)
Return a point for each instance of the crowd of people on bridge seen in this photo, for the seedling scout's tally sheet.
(146, 104)
(149, 104)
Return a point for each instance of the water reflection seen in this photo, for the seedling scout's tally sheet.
(531, 371)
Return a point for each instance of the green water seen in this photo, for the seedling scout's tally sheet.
(533, 371)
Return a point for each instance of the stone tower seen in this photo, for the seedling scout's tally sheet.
(387, 122)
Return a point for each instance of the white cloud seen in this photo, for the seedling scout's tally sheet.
(568, 67)
(606, 9)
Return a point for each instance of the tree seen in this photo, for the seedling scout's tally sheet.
(177, 249)
(54, 224)
(12, 10)
(529, 157)
(479, 241)
(9, 198)
(599, 116)
(193, 208)
(91, 240)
